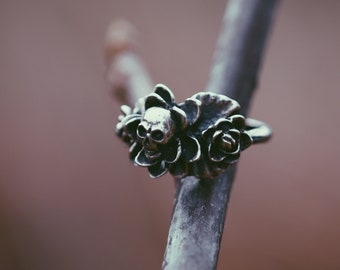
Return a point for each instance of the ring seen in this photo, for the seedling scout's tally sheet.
(199, 137)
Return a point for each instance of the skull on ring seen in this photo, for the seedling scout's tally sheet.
(155, 129)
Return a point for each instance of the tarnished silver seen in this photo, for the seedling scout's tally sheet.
(199, 137)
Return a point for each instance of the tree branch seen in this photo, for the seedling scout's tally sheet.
(126, 73)
(200, 204)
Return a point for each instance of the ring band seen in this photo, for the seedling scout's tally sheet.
(201, 136)
(258, 130)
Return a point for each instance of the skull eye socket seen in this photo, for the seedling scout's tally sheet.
(157, 135)
(141, 131)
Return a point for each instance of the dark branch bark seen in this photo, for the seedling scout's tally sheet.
(200, 205)
(239, 49)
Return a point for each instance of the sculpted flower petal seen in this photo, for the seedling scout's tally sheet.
(215, 106)
(139, 106)
(164, 91)
(130, 117)
(131, 127)
(171, 152)
(228, 143)
(231, 159)
(217, 136)
(245, 140)
(191, 149)
(158, 169)
(180, 117)
(125, 109)
(134, 150)
(192, 108)
(207, 134)
(215, 153)
(119, 129)
(179, 169)
(222, 165)
(154, 100)
(142, 160)
(236, 134)
(223, 124)
(238, 121)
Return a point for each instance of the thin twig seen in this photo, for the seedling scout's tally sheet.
(200, 205)
(126, 73)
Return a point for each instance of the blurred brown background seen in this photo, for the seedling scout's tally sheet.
(70, 199)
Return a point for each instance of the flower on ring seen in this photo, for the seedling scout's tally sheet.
(226, 139)
(156, 134)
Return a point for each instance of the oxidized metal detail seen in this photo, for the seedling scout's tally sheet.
(199, 137)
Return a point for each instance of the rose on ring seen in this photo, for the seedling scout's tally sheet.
(226, 139)
(199, 137)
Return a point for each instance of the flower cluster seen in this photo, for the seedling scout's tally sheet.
(200, 136)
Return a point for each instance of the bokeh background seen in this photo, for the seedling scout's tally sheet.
(70, 199)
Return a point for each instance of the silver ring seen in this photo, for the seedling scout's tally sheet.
(201, 136)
